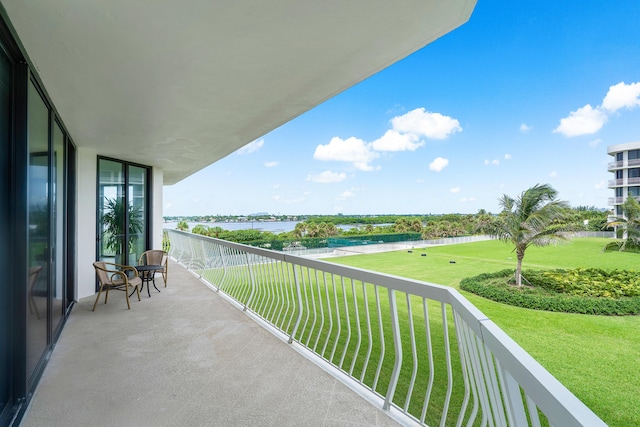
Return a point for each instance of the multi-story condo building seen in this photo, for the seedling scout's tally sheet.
(626, 170)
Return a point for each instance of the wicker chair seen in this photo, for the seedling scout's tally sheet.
(156, 257)
(114, 276)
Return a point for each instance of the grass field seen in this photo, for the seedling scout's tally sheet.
(596, 357)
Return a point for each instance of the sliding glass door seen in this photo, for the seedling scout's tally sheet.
(6, 306)
(39, 216)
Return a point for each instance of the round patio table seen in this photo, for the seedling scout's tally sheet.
(147, 274)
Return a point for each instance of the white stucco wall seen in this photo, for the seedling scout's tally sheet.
(157, 183)
(86, 222)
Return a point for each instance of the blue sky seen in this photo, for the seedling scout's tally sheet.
(525, 92)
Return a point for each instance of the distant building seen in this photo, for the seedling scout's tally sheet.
(626, 171)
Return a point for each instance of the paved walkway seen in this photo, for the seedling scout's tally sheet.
(185, 357)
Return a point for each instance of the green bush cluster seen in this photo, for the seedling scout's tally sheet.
(544, 291)
(589, 282)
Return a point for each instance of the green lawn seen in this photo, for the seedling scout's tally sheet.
(596, 357)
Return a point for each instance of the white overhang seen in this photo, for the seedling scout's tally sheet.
(179, 85)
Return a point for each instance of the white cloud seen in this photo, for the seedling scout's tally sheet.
(420, 180)
(393, 140)
(468, 199)
(275, 186)
(271, 164)
(588, 120)
(495, 162)
(455, 189)
(327, 177)
(352, 150)
(438, 164)
(507, 156)
(345, 195)
(583, 121)
(553, 174)
(595, 143)
(426, 123)
(251, 147)
(622, 96)
(524, 128)
(600, 185)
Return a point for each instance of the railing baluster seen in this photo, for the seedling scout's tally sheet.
(356, 351)
(414, 353)
(427, 327)
(339, 323)
(382, 340)
(347, 322)
(299, 295)
(369, 333)
(252, 282)
(397, 344)
(321, 309)
(447, 352)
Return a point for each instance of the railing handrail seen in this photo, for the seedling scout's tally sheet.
(550, 396)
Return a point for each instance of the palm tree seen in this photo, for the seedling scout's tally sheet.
(534, 218)
(629, 226)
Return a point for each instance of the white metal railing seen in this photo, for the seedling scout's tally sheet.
(615, 200)
(421, 350)
(615, 165)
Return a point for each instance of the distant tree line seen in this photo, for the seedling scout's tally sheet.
(429, 226)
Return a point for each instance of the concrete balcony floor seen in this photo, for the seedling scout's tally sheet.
(185, 357)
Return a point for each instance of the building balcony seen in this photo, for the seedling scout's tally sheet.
(616, 183)
(615, 201)
(185, 356)
(615, 165)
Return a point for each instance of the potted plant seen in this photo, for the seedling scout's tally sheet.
(114, 223)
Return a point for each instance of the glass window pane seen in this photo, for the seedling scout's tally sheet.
(38, 219)
(5, 290)
(58, 188)
(137, 223)
(110, 212)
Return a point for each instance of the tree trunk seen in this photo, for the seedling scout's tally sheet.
(520, 256)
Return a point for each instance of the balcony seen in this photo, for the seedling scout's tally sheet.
(615, 165)
(185, 356)
(410, 352)
(615, 201)
(616, 183)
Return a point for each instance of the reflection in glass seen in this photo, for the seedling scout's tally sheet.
(111, 217)
(38, 228)
(137, 224)
(5, 290)
(58, 190)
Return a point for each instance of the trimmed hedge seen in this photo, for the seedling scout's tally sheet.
(544, 291)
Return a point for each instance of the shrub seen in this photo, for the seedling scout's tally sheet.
(584, 291)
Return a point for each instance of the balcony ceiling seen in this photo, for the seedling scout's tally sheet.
(180, 85)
